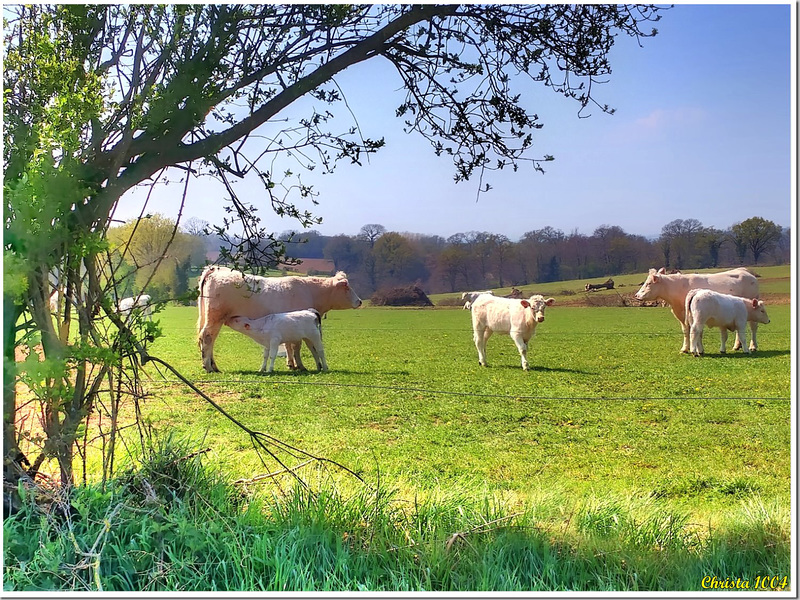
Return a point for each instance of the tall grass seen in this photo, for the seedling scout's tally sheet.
(175, 525)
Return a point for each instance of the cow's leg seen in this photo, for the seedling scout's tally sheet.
(742, 331)
(208, 335)
(686, 345)
(679, 313)
(293, 360)
(723, 339)
(738, 342)
(287, 348)
(480, 338)
(318, 352)
(274, 344)
(696, 338)
(298, 361)
(753, 330)
(266, 358)
(522, 346)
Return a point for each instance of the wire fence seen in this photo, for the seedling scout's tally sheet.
(423, 390)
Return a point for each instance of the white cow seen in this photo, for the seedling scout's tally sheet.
(54, 298)
(673, 289)
(470, 297)
(706, 307)
(284, 328)
(225, 293)
(518, 318)
(142, 301)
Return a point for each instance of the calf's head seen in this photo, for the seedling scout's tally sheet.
(537, 303)
(756, 311)
(241, 324)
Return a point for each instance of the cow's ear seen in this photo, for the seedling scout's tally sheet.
(755, 302)
(550, 301)
(656, 278)
(342, 283)
(525, 303)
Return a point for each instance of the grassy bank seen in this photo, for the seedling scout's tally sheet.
(178, 526)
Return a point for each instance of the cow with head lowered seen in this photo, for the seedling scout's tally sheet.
(225, 293)
(674, 288)
(517, 318)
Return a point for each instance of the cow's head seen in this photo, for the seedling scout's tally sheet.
(344, 296)
(758, 311)
(537, 303)
(649, 289)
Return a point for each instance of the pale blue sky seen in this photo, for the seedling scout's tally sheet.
(702, 131)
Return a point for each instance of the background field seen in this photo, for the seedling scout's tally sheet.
(610, 407)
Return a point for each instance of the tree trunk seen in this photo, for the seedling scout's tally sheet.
(12, 457)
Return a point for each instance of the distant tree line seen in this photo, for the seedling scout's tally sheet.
(376, 258)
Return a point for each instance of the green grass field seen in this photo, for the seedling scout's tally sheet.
(615, 463)
(608, 405)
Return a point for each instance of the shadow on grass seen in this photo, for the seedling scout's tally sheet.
(539, 369)
(315, 373)
(738, 354)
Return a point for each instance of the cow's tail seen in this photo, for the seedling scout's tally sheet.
(201, 300)
(319, 320)
(688, 318)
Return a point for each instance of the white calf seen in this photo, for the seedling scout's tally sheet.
(706, 307)
(142, 301)
(471, 296)
(518, 318)
(284, 328)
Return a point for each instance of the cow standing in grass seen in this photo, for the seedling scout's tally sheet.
(518, 318)
(292, 327)
(673, 289)
(142, 302)
(706, 307)
(225, 293)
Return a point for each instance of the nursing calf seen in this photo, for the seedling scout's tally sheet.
(225, 293)
(674, 288)
(518, 318)
(706, 307)
(284, 328)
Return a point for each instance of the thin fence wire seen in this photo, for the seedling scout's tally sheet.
(400, 388)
